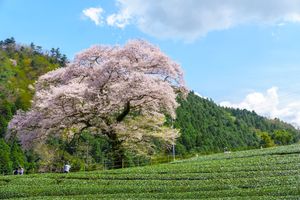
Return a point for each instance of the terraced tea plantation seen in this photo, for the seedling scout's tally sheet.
(272, 173)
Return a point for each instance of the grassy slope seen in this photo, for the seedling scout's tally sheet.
(272, 173)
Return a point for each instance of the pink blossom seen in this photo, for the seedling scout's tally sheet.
(101, 90)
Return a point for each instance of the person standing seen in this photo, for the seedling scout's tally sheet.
(16, 171)
(67, 168)
(21, 170)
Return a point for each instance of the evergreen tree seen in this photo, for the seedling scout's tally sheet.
(17, 156)
(5, 163)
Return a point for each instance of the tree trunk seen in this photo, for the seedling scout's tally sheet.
(118, 153)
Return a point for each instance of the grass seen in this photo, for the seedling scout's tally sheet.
(272, 173)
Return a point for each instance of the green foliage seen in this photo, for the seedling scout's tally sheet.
(266, 140)
(5, 163)
(83, 152)
(206, 127)
(6, 111)
(32, 164)
(271, 173)
(17, 155)
(86, 152)
(251, 119)
(282, 137)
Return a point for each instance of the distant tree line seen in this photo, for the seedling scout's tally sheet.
(54, 56)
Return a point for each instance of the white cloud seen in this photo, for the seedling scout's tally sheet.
(94, 14)
(119, 20)
(191, 19)
(271, 105)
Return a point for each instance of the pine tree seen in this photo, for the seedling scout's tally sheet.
(16, 155)
(5, 163)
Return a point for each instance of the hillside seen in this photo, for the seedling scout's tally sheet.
(207, 127)
(20, 67)
(271, 173)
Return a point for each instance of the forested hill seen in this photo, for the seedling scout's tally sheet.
(207, 127)
(20, 66)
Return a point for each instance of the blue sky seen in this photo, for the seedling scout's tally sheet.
(239, 53)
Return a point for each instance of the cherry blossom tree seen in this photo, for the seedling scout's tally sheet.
(121, 92)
